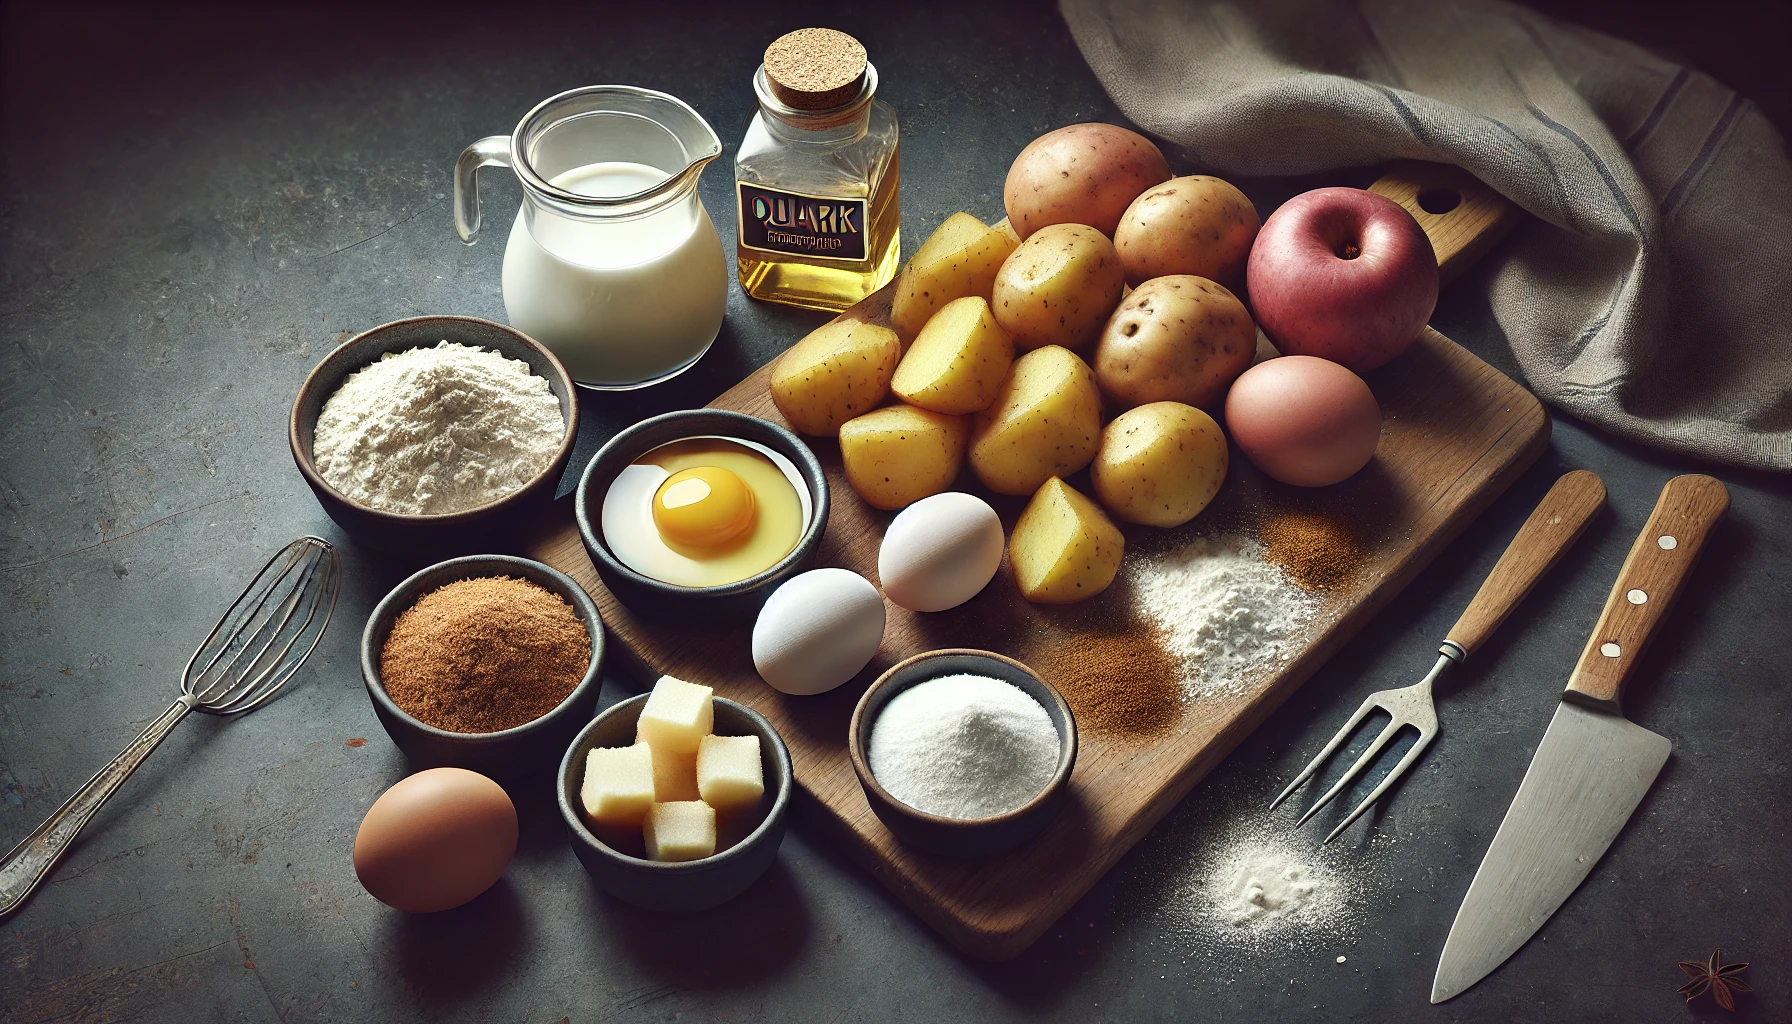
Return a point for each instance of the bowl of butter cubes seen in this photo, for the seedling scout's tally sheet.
(675, 799)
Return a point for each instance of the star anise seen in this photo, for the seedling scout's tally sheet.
(1719, 977)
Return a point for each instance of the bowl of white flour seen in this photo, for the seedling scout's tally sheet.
(434, 434)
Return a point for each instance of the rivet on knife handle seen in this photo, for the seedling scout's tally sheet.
(1554, 525)
(1652, 577)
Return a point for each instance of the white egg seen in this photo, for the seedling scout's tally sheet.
(817, 631)
(940, 552)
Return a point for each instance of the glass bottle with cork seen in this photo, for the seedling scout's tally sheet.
(817, 176)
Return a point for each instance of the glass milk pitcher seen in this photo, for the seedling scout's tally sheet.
(613, 262)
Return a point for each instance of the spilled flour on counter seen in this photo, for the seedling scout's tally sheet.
(1258, 886)
(1228, 613)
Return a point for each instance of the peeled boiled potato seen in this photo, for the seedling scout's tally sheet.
(960, 258)
(1063, 548)
(1159, 464)
(839, 371)
(1058, 287)
(1044, 422)
(1174, 339)
(901, 454)
(1196, 225)
(957, 362)
(1080, 174)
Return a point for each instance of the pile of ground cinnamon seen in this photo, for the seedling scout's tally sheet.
(1317, 551)
(482, 655)
(1117, 678)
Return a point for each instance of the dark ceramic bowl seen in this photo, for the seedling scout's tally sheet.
(733, 602)
(435, 535)
(510, 753)
(960, 837)
(684, 885)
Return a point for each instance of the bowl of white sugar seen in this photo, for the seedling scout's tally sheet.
(433, 434)
(962, 752)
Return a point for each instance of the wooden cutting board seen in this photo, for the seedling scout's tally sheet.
(1456, 434)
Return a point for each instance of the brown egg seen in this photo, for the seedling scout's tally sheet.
(1303, 420)
(435, 840)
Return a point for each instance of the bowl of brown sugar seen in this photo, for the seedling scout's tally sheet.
(489, 663)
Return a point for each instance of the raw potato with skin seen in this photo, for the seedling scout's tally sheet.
(1196, 225)
(960, 258)
(1063, 549)
(1080, 174)
(1175, 339)
(1058, 287)
(1159, 464)
(839, 371)
(899, 454)
(1045, 422)
(957, 362)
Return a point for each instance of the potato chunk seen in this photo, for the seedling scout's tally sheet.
(957, 362)
(1064, 549)
(1159, 464)
(839, 371)
(1058, 287)
(1044, 422)
(959, 259)
(900, 454)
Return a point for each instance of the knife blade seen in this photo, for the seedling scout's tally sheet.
(1594, 765)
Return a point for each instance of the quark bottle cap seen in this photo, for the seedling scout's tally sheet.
(815, 68)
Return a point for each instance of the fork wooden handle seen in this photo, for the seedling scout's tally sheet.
(1652, 577)
(1557, 521)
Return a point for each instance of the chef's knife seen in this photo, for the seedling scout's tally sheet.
(1593, 766)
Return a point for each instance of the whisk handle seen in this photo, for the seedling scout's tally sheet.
(30, 862)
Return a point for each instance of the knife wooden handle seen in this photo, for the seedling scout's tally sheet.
(1553, 527)
(1659, 563)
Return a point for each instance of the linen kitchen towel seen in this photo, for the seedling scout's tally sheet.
(1652, 296)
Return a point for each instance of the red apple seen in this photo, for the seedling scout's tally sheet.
(1342, 274)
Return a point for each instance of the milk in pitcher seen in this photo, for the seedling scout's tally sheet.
(622, 302)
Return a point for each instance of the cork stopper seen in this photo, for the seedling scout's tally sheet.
(815, 68)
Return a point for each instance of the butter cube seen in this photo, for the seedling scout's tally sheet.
(728, 772)
(683, 830)
(674, 776)
(618, 787)
(677, 715)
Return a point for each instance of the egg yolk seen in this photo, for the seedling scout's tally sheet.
(704, 507)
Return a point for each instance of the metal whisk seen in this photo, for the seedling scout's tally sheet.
(263, 638)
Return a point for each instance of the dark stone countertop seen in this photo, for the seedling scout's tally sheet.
(197, 205)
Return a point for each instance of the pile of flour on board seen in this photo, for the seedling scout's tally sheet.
(430, 431)
(1229, 614)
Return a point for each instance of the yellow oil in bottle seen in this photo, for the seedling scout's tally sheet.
(832, 284)
(817, 177)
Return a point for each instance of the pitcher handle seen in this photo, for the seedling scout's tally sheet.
(491, 151)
